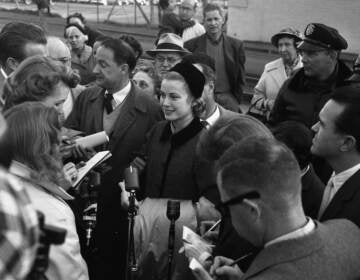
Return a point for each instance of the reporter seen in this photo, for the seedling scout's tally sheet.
(34, 131)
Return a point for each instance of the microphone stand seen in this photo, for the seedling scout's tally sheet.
(131, 185)
(172, 213)
(132, 267)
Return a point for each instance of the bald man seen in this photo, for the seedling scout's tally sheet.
(187, 12)
(58, 50)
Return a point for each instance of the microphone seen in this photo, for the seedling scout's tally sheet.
(172, 213)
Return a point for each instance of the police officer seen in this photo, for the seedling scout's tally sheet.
(305, 93)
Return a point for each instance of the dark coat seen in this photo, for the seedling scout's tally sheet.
(92, 34)
(301, 99)
(138, 114)
(311, 193)
(346, 202)
(173, 169)
(234, 60)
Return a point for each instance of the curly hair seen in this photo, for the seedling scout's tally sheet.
(35, 80)
(33, 131)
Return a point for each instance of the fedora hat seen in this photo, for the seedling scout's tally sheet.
(168, 42)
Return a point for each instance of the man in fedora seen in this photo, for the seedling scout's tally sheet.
(304, 94)
(168, 51)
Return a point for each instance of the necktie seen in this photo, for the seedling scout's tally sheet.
(108, 103)
(205, 124)
(326, 198)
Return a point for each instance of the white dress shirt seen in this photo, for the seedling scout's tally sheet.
(120, 95)
(301, 232)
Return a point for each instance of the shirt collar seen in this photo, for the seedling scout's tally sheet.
(213, 117)
(340, 178)
(3, 73)
(24, 172)
(120, 95)
(299, 233)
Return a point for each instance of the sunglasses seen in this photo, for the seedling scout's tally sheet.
(223, 207)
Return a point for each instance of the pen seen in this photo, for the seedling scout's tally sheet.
(240, 259)
(212, 228)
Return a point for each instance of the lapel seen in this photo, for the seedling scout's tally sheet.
(346, 193)
(277, 72)
(127, 116)
(286, 251)
(97, 110)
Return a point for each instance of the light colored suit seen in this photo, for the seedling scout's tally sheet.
(331, 252)
(268, 86)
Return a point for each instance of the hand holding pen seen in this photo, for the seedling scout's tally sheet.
(225, 268)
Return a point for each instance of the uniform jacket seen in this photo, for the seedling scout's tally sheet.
(346, 202)
(301, 99)
(138, 114)
(234, 60)
(173, 170)
(331, 251)
(270, 82)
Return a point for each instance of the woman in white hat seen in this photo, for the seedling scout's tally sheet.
(277, 71)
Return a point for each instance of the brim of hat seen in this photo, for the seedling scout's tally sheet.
(276, 37)
(155, 51)
(306, 46)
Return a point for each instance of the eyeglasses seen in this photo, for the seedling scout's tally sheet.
(223, 207)
(169, 59)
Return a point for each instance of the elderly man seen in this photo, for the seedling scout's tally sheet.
(59, 51)
(267, 211)
(305, 93)
(115, 106)
(187, 11)
(229, 57)
(18, 40)
(168, 52)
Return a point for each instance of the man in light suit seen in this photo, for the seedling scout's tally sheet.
(337, 140)
(115, 106)
(229, 57)
(260, 186)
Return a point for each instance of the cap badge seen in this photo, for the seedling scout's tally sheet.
(309, 30)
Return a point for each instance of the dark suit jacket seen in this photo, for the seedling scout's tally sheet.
(138, 114)
(225, 113)
(331, 252)
(234, 60)
(311, 193)
(346, 202)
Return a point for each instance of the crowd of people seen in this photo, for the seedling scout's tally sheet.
(280, 180)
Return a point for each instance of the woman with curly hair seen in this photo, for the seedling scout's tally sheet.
(34, 133)
(42, 79)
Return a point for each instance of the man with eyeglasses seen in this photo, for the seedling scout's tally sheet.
(304, 94)
(260, 186)
(168, 52)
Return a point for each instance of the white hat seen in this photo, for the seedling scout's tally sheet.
(169, 42)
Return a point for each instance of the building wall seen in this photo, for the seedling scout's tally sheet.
(258, 20)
